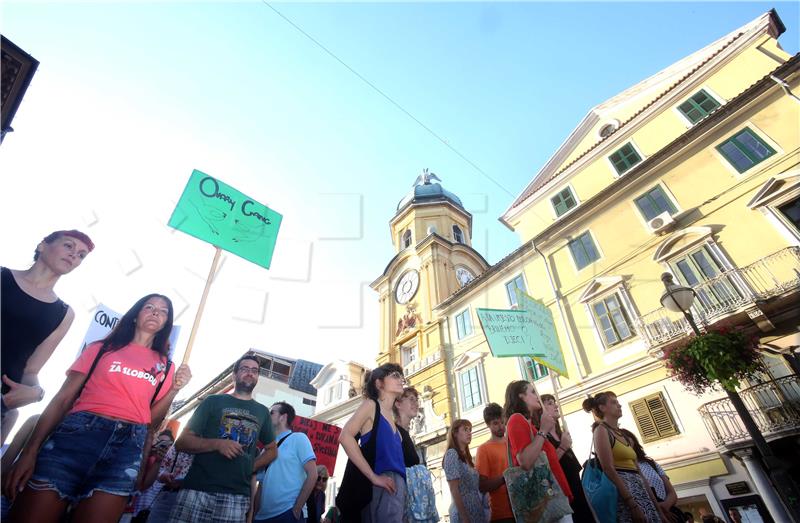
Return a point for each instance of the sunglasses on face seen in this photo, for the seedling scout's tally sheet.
(397, 375)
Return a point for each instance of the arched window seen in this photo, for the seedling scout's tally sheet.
(458, 236)
(407, 238)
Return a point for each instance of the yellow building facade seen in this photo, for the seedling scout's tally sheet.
(694, 171)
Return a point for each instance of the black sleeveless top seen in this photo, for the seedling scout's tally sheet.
(25, 323)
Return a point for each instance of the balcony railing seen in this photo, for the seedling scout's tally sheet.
(774, 405)
(725, 294)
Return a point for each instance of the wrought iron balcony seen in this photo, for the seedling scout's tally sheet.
(774, 405)
(728, 293)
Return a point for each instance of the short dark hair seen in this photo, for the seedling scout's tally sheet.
(491, 412)
(371, 388)
(285, 408)
(249, 356)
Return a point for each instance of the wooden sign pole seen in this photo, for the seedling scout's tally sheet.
(202, 305)
(554, 382)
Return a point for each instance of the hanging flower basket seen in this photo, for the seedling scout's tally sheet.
(722, 357)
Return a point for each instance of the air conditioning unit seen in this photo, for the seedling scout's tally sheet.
(661, 223)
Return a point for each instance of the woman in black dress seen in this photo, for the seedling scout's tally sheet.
(572, 467)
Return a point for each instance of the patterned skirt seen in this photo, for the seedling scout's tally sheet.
(635, 485)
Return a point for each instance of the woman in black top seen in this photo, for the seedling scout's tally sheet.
(33, 319)
(570, 464)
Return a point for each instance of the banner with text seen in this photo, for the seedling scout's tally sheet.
(546, 349)
(105, 319)
(224, 217)
(508, 332)
(324, 439)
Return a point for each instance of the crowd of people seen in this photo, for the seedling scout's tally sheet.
(98, 451)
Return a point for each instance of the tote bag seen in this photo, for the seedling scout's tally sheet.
(600, 491)
(535, 494)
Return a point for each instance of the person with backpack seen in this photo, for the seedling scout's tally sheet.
(87, 446)
(289, 480)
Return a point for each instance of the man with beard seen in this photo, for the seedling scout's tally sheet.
(491, 461)
(222, 434)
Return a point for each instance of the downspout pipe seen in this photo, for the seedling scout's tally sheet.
(561, 313)
(785, 86)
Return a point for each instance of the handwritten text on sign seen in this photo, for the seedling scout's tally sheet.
(222, 216)
(324, 440)
(507, 331)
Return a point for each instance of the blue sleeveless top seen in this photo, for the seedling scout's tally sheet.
(389, 449)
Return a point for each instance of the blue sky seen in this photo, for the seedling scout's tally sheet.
(130, 97)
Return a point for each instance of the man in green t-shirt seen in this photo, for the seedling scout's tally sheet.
(222, 434)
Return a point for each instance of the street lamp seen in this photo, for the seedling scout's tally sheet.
(677, 298)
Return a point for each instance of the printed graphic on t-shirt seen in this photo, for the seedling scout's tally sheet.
(154, 375)
(240, 426)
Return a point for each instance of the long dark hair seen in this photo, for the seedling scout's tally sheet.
(371, 390)
(641, 455)
(463, 454)
(514, 404)
(125, 329)
(549, 397)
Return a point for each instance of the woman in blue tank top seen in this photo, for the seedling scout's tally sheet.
(374, 488)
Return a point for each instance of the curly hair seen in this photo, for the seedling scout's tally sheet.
(371, 390)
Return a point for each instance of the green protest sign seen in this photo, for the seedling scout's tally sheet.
(224, 217)
(545, 347)
(508, 332)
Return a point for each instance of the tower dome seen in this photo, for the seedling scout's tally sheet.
(425, 190)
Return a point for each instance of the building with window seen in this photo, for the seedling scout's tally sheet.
(694, 171)
(280, 379)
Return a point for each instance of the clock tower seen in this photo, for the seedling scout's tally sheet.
(432, 236)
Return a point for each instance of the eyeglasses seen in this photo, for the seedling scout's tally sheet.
(397, 375)
(248, 370)
(149, 308)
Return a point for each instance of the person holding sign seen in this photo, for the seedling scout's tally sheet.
(34, 319)
(91, 457)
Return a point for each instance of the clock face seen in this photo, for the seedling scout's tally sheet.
(464, 276)
(406, 287)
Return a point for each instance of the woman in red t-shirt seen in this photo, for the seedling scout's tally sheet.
(91, 456)
(522, 407)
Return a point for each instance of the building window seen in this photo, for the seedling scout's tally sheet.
(607, 129)
(307, 401)
(534, 370)
(745, 149)
(698, 106)
(458, 235)
(463, 324)
(407, 239)
(653, 418)
(654, 202)
(470, 389)
(703, 272)
(624, 158)
(612, 320)
(563, 201)
(517, 283)
(791, 211)
(408, 354)
(583, 250)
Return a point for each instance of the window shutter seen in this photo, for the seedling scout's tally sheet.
(653, 418)
(644, 422)
(662, 417)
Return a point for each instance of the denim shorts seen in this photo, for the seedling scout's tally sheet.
(87, 452)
